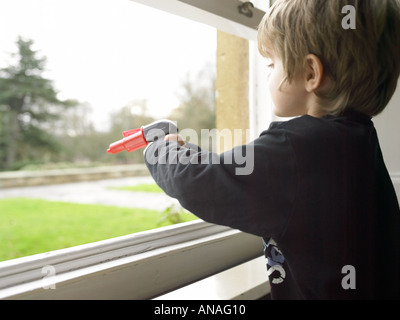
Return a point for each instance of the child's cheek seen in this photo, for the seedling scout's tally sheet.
(274, 89)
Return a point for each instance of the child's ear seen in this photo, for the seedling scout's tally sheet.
(314, 71)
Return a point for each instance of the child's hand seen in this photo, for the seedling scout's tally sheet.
(176, 138)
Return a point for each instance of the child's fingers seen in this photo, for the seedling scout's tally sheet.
(176, 138)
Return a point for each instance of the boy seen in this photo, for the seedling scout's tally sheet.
(319, 193)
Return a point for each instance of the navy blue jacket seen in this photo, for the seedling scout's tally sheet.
(316, 190)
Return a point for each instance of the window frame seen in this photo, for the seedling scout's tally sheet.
(208, 12)
(138, 266)
(130, 267)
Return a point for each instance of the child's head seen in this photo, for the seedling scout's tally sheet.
(360, 67)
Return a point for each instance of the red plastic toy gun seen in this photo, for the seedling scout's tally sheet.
(139, 138)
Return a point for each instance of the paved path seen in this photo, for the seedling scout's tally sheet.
(96, 192)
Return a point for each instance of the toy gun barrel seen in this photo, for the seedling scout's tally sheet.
(139, 138)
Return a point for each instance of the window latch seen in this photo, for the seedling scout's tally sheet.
(245, 9)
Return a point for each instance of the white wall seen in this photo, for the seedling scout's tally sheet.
(388, 127)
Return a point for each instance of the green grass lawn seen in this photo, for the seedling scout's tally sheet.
(30, 226)
(151, 187)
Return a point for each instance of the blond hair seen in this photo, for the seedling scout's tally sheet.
(363, 64)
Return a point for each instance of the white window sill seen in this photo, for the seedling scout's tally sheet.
(247, 281)
(137, 266)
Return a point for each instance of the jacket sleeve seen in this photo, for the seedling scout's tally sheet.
(250, 188)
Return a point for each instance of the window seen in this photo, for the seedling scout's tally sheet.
(127, 65)
(137, 256)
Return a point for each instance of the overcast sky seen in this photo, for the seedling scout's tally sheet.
(109, 52)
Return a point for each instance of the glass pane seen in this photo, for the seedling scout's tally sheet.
(73, 76)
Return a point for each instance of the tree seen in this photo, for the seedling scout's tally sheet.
(28, 103)
(197, 104)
